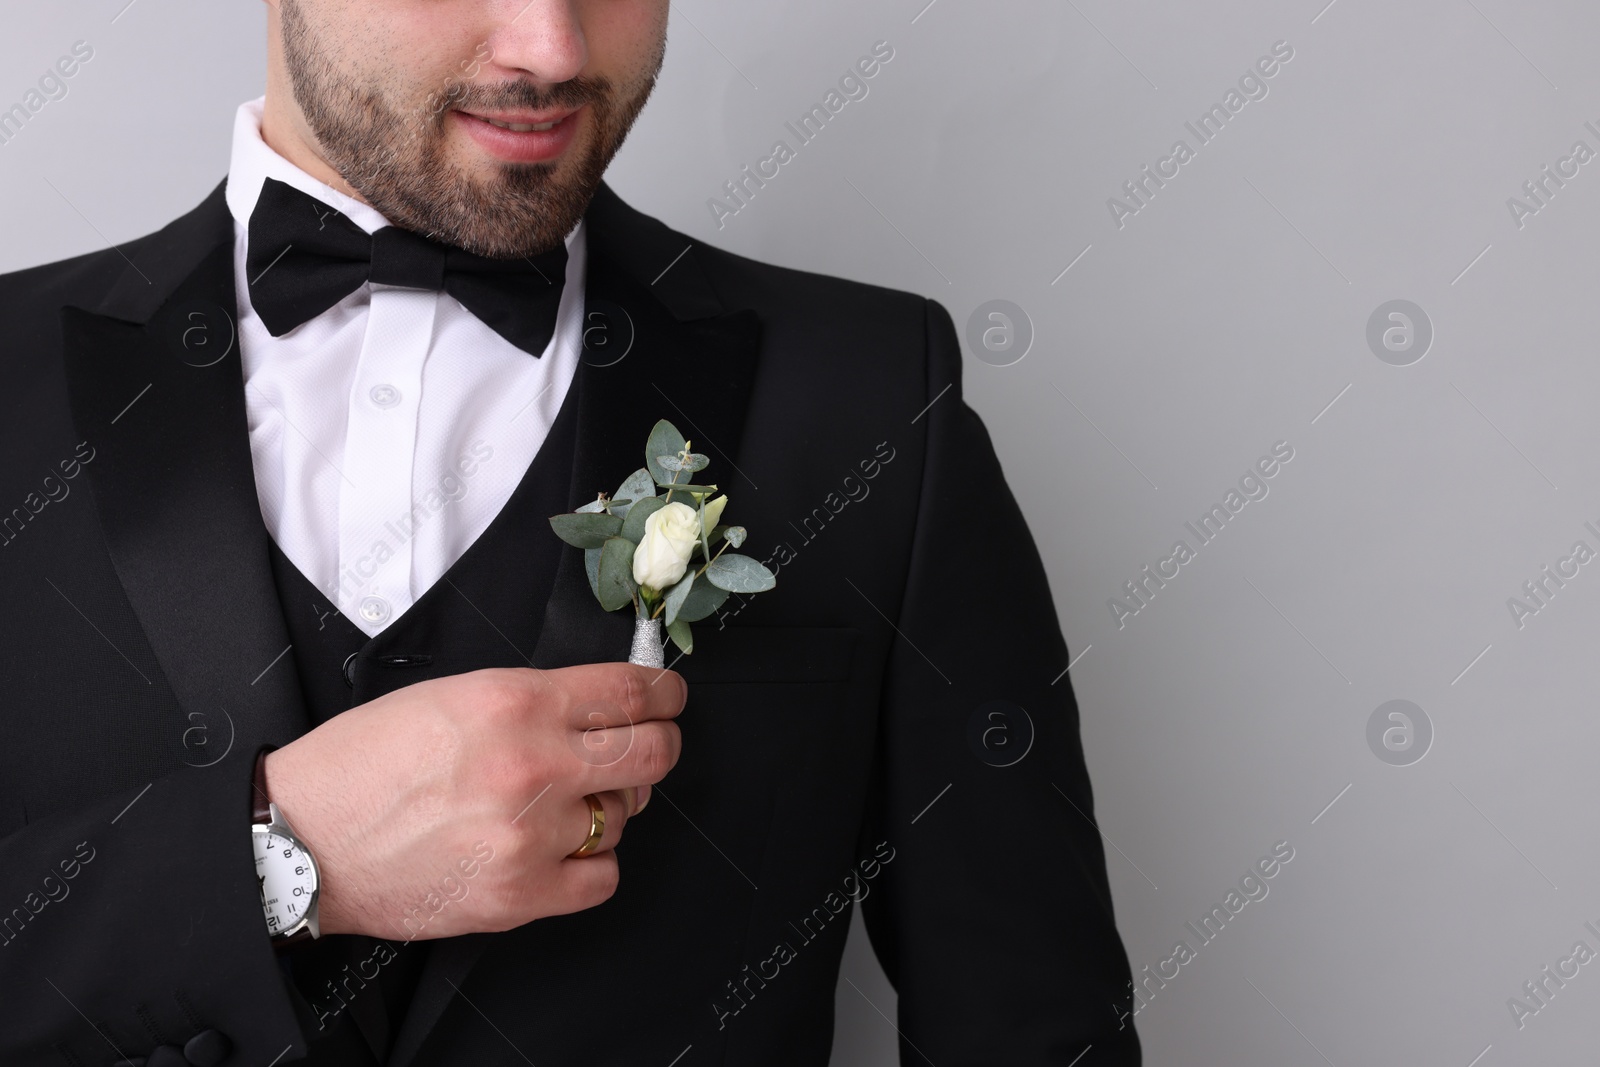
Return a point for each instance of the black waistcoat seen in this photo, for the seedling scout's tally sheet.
(485, 611)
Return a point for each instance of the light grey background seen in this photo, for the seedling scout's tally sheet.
(1228, 314)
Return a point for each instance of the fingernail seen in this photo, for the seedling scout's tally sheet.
(641, 797)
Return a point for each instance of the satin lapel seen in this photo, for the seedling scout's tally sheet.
(688, 361)
(155, 385)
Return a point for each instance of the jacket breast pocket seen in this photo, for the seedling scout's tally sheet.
(768, 654)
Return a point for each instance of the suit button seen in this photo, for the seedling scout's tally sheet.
(166, 1056)
(207, 1048)
(350, 670)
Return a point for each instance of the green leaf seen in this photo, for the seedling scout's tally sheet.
(739, 574)
(591, 567)
(585, 529)
(633, 527)
(665, 440)
(734, 534)
(679, 632)
(685, 461)
(686, 487)
(615, 578)
(639, 484)
(703, 599)
(676, 595)
(594, 505)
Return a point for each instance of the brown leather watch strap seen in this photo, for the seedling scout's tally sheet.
(260, 812)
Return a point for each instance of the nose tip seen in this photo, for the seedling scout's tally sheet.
(544, 38)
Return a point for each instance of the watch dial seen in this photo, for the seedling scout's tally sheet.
(287, 879)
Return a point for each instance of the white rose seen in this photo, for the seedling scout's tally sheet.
(670, 534)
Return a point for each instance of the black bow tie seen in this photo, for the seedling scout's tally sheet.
(305, 256)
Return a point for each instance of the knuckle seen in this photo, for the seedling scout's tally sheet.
(632, 693)
(501, 697)
(656, 747)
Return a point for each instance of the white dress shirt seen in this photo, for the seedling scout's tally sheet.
(388, 431)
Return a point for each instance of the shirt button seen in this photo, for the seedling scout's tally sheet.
(374, 608)
(385, 396)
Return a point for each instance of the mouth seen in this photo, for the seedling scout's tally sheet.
(520, 122)
(521, 136)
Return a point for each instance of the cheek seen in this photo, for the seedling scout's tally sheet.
(416, 50)
(625, 38)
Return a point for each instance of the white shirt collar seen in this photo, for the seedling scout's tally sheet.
(254, 161)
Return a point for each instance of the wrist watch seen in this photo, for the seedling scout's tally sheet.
(284, 867)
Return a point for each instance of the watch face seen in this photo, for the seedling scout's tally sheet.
(288, 880)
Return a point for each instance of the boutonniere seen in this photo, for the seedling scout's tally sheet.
(657, 544)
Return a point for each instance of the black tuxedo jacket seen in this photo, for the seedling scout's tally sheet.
(845, 741)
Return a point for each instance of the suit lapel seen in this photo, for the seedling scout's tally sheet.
(687, 360)
(155, 384)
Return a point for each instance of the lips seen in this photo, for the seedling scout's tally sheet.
(521, 136)
(520, 121)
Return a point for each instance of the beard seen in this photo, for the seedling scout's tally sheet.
(396, 157)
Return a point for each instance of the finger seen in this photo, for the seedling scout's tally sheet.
(626, 756)
(617, 694)
(589, 881)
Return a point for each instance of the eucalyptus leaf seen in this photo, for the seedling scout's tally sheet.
(585, 529)
(615, 579)
(592, 506)
(739, 574)
(710, 540)
(679, 632)
(703, 599)
(633, 526)
(697, 461)
(735, 535)
(640, 484)
(591, 567)
(671, 463)
(676, 595)
(689, 487)
(665, 440)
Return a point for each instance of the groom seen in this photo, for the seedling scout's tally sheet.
(319, 749)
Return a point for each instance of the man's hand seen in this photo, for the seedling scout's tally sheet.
(392, 795)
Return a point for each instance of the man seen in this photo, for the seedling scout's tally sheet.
(319, 748)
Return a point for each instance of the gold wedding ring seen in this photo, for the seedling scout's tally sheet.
(597, 827)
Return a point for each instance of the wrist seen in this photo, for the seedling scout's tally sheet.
(280, 783)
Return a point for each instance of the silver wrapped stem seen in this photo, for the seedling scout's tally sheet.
(647, 650)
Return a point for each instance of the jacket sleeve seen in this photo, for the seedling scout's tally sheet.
(993, 920)
(135, 921)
